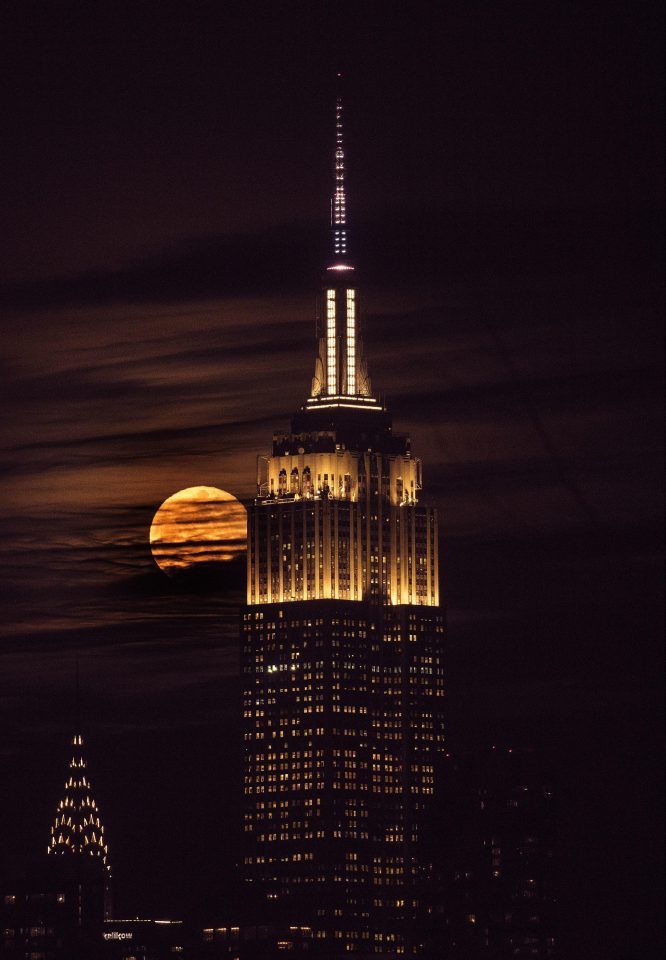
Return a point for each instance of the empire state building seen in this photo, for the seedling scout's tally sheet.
(342, 655)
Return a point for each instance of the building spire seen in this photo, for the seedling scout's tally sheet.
(77, 828)
(341, 374)
(339, 199)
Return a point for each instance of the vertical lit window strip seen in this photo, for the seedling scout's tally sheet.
(351, 342)
(331, 377)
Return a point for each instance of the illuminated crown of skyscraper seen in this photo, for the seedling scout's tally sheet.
(340, 476)
(341, 376)
(77, 828)
(342, 657)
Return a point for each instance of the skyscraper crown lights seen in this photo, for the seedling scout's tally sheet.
(341, 376)
(77, 828)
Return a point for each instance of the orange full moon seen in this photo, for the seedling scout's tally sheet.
(198, 525)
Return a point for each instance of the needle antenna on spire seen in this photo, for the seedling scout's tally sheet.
(339, 201)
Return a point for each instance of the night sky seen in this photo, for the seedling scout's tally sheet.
(165, 173)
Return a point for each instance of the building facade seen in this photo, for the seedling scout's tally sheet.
(342, 663)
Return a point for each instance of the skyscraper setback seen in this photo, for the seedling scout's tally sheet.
(342, 652)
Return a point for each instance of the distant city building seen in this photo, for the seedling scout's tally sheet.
(495, 890)
(147, 940)
(342, 659)
(58, 909)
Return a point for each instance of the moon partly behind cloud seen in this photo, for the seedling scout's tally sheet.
(198, 525)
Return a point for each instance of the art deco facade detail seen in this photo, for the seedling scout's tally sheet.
(335, 523)
(337, 513)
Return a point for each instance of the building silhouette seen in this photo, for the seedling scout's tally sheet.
(342, 658)
(57, 910)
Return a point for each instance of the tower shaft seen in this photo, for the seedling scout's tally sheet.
(341, 654)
